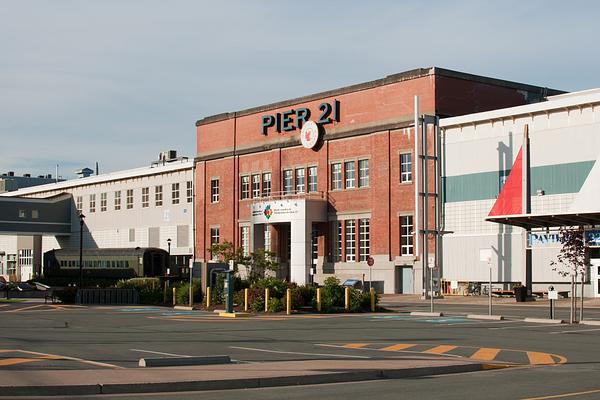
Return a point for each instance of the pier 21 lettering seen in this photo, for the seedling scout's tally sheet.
(290, 120)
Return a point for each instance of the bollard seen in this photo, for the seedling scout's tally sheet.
(288, 302)
(319, 299)
(174, 296)
(165, 293)
(347, 298)
(372, 292)
(246, 300)
(207, 296)
(267, 300)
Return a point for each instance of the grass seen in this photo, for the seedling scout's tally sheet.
(11, 300)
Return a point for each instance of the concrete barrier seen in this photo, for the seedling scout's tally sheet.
(485, 316)
(544, 321)
(426, 314)
(589, 322)
(181, 361)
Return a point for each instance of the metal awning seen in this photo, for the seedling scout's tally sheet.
(533, 221)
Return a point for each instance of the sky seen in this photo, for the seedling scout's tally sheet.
(118, 81)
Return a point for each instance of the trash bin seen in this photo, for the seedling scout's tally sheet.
(520, 293)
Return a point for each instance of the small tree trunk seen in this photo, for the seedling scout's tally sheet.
(581, 309)
(572, 317)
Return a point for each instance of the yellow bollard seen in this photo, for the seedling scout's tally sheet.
(267, 300)
(246, 300)
(372, 291)
(347, 298)
(319, 299)
(289, 302)
(207, 296)
(174, 296)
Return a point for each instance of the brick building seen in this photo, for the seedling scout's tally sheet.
(345, 192)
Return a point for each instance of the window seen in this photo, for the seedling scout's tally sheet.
(190, 191)
(406, 235)
(158, 196)
(267, 237)
(363, 239)
(102, 201)
(79, 204)
(336, 176)
(336, 244)
(255, 185)
(245, 240)
(92, 203)
(288, 179)
(22, 214)
(266, 188)
(129, 199)
(145, 197)
(405, 167)
(26, 258)
(35, 214)
(214, 190)
(245, 187)
(312, 179)
(350, 240)
(349, 174)
(214, 239)
(363, 173)
(299, 180)
(118, 200)
(175, 193)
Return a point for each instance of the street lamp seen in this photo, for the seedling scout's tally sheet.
(81, 218)
(169, 259)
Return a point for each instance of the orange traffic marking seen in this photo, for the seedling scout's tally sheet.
(485, 354)
(440, 349)
(397, 347)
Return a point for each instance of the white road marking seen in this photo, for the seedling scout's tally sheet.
(526, 326)
(81, 360)
(297, 353)
(159, 352)
(575, 331)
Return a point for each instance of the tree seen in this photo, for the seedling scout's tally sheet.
(571, 260)
(256, 263)
(225, 252)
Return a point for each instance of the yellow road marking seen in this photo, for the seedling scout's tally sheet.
(444, 348)
(81, 360)
(355, 345)
(13, 361)
(397, 347)
(485, 354)
(560, 396)
(536, 358)
(25, 308)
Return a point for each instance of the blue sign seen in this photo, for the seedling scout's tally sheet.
(592, 238)
(543, 239)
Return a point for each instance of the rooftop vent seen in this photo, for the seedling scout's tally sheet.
(84, 172)
(166, 156)
(26, 175)
(11, 173)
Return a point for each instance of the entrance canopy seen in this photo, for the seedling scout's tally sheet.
(533, 221)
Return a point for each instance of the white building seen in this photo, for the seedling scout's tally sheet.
(479, 151)
(142, 207)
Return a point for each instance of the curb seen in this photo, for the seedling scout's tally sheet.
(589, 322)
(544, 321)
(186, 308)
(484, 316)
(181, 361)
(426, 314)
(242, 383)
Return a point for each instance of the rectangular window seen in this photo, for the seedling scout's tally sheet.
(255, 185)
(312, 179)
(350, 240)
(214, 190)
(92, 203)
(102, 201)
(118, 200)
(363, 239)
(129, 199)
(145, 197)
(190, 191)
(299, 180)
(363, 173)
(35, 214)
(245, 240)
(336, 176)
(267, 238)
(22, 214)
(158, 196)
(245, 187)
(175, 193)
(406, 235)
(405, 167)
(350, 174)
(288, 181)
(336, 241)
(266, 182)
(214, 239)
(79, 203)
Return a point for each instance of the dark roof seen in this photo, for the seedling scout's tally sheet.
(532, 221)
(107, 251)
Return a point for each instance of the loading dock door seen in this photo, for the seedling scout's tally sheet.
(404, 279)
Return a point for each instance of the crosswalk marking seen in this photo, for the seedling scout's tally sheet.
(397, 347)
(444, 348)
(537, 358)
(485, 354)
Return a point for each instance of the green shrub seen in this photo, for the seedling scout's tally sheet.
(217, 292)
(332, 295)
(275, 305)
(149, 289)
(297, 298)
(67, 295)
(182, 295)
(258, 305)
(277, 287)
(240, 284)
(309, 293)
(253, 295)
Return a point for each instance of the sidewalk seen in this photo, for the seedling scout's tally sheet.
(505, 301)
(222, 377)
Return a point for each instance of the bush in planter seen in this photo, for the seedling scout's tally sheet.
(182, 294)
(253, 295)
(149, 289)
(275, 305)
(277, 287)
(258, 305)
(332, 295)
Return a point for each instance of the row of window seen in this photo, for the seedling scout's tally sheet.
(129, 198)
(95, 264)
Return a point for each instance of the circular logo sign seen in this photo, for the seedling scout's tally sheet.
(370, 261)
(309, 135)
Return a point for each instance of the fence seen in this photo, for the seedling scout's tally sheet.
(107, 296)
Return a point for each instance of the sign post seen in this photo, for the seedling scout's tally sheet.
(485, 255)
(370, 262)
(431, 265)
(552, 295)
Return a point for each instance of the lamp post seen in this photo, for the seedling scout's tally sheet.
(81, 218)
(169, 259)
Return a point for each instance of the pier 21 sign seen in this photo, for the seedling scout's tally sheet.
(291, 120)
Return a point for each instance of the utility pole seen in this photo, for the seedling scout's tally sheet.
(81, 218)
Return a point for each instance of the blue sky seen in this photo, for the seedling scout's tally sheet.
(118, 81)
